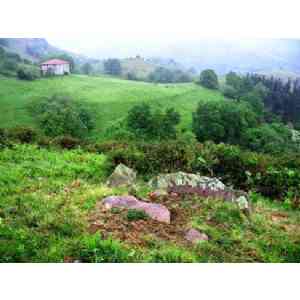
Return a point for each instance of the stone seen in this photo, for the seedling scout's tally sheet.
(194, 236)
(122, 176)
(155, 211)
(242, 202)
(187, 183)
(166, 181)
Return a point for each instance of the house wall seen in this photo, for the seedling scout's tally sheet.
(57, 69)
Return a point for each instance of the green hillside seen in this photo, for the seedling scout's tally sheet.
(110, 98)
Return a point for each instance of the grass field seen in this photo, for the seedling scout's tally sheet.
(49, 212)
(110, 98)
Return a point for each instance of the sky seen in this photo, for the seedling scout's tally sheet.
(130, 25)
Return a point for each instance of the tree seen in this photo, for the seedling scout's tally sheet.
(28, 72)
(87, 68)
(139, 120)
(143, 122)
(223, 121)
(60, 115)
(269, 138)
(164, 75)
(209, 79)
(112, 66)
(255, 99)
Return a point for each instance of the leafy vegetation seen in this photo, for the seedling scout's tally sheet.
(112, 66)
(147, 124)
(223, 121)
(47, 197)
(60, 115)
(209, 79)
(28, 72)
(110, 99)
(164, 75)
(51, 185)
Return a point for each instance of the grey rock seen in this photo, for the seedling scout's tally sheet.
(122, 176)
(166, 181)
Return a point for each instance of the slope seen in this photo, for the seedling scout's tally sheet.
(110, 98)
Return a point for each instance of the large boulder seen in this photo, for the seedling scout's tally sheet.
(167, 181)
(122, 176)
(155, 211)
(181, 183)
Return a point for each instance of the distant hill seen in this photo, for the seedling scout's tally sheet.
(35, 49)
(223, 55)
(243, 56)
(30, 48)
(278, 57)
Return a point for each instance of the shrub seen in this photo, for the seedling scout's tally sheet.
(4, 140)
(28, 72)
(67, 142)
(60, 115)
(171, 254)
(136, 214)
(155, 125)
(221, 121)
(23, 134)
(269, 138)
(230, 92)
(164, 75)
(209, 79)
(113, 66)
(93, 249)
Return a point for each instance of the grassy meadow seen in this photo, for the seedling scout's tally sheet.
(109, 98)
(49, 212)
(51, 198)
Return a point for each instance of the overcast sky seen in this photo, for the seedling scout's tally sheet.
(83, 26)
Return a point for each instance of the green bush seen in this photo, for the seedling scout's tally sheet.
(144, 123)
(93, 249)
(67, 142)
(209, 79)
(23, 134)
(149, 159)
(60, 115)
(223, 122)
(171, 254)
(273, 138)
(4, 140)
(136, 214)
(28, 72)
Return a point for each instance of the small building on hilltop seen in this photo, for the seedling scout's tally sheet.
(55, 67)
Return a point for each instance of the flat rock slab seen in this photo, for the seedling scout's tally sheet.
(194, 236)
(155, 211)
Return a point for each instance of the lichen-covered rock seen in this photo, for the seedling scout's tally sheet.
(122, 176)
(194, 236)
(166, 181)
(181, 183)
(155, 211)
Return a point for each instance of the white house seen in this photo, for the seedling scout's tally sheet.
(55, 67)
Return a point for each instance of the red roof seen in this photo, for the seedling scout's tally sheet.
(55, 62)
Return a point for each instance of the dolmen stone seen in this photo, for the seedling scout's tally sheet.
(194, 236)
(122, 176)
(155, 211)
(181, 183)
(167, 181)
